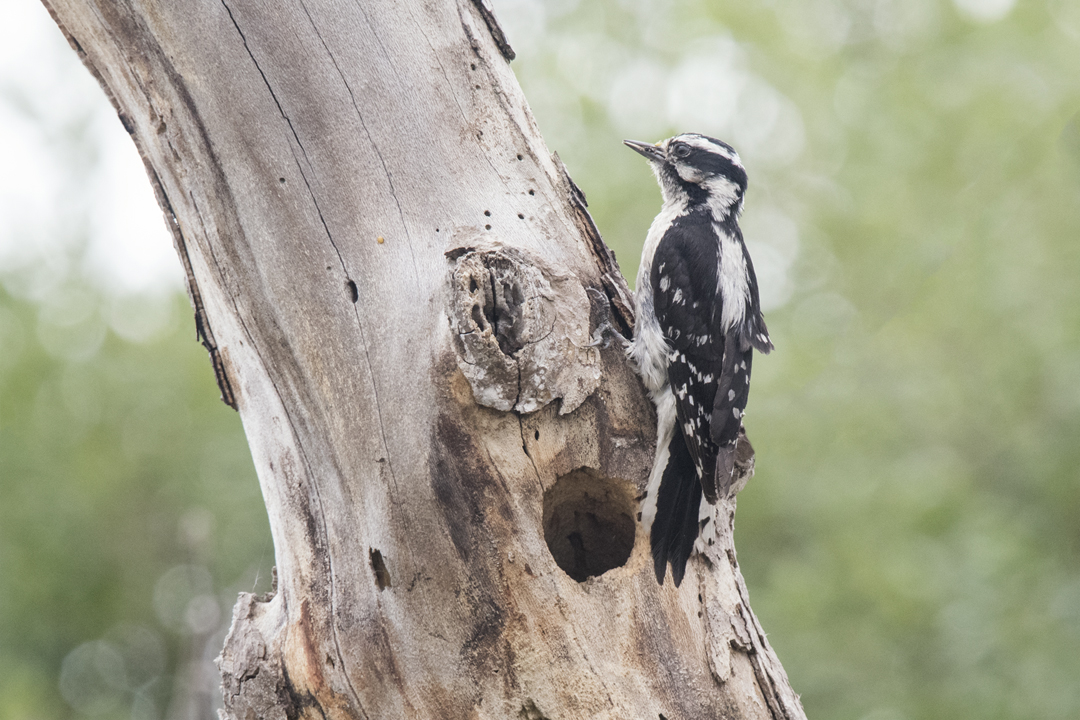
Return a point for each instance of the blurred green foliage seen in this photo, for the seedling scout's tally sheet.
(118, 464)
(912, 537)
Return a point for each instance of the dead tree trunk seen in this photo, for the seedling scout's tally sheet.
(398, 286)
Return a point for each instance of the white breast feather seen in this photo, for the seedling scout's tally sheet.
(650, 348)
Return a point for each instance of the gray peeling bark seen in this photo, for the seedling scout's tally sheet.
(398, 286)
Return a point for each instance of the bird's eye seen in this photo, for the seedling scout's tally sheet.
(680, 150)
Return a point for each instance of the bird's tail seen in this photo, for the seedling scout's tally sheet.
(675, 526)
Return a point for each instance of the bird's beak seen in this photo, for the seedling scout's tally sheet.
(649, 150)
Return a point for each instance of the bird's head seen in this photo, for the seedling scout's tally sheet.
(697, 168)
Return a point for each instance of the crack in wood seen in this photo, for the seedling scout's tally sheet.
(525, 448)
(292, 129)
(497, 34)
(202, 325)
(367, 132)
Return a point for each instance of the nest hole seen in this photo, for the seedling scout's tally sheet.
(589, 523)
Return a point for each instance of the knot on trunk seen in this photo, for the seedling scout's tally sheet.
(521, 330)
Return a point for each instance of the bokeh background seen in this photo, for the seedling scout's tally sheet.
(912, 538)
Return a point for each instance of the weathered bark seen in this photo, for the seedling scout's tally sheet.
(398, 286)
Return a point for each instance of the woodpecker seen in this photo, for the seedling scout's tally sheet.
(698, 322)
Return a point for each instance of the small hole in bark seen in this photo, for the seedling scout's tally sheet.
(532, 192)
(521, 157)
(354, 294)
(521, 216)
(589, 523)
(473, 287)
(536, 435)
(472, 66)
(382, 575)
(487, 213)
(487, 227)
(281, 180)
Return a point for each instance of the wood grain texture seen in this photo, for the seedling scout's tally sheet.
(336, 175)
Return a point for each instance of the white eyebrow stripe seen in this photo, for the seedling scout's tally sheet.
(703, 143)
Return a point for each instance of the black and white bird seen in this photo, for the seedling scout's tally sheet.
(698, 322)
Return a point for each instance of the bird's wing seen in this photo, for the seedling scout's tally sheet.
(753, 331)
(732, 392)
(733, 386)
